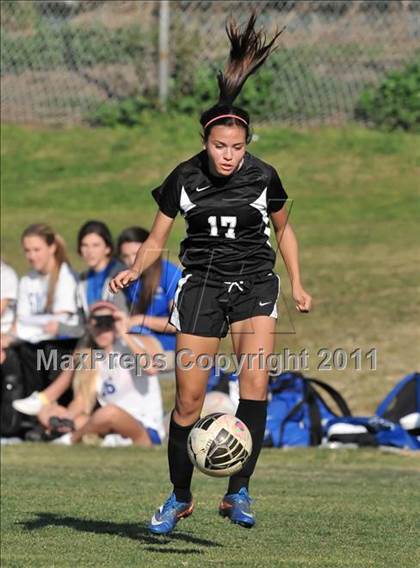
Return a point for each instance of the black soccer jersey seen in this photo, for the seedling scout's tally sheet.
(227, 218)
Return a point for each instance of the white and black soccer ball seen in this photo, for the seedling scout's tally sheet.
(216, 401)
(219, 444)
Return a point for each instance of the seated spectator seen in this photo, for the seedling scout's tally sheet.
(12, 385)
(151, 298)
(95, 246)
(46, 300)
(130, 403)
(9, 292)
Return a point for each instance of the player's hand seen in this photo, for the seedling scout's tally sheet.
(302, 299)
(123, 279)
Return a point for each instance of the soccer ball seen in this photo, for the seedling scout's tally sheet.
(217, 401)
(219, 444)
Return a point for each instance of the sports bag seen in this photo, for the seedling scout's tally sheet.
(396, 423)
(370, 431)
(402, 404)
(297, 411)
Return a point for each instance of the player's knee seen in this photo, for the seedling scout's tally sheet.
(110, 413)
(188, 408)
(254, 386)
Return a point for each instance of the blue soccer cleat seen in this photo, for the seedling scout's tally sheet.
(237, 506)
(167, 516)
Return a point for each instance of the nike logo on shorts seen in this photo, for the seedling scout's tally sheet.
(264, 303)
(202, 188)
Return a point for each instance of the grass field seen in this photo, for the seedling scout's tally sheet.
(355, 209)
(315, 509)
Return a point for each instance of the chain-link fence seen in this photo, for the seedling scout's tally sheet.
(62, 59)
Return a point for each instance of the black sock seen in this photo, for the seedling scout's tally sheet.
(254, 414)
(180, 466)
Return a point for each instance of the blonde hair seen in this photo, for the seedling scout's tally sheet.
(84, 382)
(46, 233)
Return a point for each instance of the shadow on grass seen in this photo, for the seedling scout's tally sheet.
(133, 531)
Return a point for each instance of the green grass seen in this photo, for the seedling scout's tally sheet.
(88, 506)
(355, 210)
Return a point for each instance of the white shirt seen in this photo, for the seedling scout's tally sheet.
(32, 302)
(9, 291)
(141, 398)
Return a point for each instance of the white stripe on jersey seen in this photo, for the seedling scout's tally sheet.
(261, 204)
(185, 202)
(274, 312)
(174, 320)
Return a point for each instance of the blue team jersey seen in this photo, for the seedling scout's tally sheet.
(96, 281)
(160, 304)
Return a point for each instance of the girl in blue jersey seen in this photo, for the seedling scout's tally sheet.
(95, 246)
(228, 198)
(151, 297)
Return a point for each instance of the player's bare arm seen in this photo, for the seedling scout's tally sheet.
(147, 253)
(289, 249)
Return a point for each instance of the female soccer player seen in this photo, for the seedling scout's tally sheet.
(227, 197)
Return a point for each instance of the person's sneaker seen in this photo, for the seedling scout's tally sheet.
(237, 506)
(64, 440)
(167, 516)
(116, 441)
(32, 404)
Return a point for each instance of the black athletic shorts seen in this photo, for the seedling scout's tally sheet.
(205, 306)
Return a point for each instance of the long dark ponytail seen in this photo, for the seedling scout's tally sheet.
(249, 50)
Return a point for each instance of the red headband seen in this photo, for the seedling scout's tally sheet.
(226, 116)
